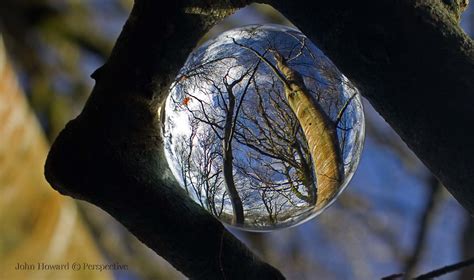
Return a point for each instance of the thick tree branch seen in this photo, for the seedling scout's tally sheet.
(415, 65)
(408, 57)
(112, 153)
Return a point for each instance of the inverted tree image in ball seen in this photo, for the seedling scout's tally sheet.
(261, 129)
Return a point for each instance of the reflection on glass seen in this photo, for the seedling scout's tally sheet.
(261, 129)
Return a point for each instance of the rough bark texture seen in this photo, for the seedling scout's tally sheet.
(408, 57)
(112, 154)
(415, 65)
(228, 158)
(319, 131)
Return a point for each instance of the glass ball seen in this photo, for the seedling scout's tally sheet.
(261, 128)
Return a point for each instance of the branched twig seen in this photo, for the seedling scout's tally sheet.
(343, 109)
(265, 60)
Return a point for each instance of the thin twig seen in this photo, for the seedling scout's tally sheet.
(435, 273)
(426, 219)
(341, 112)
(393, 276)
(446, 269)
(265, 60)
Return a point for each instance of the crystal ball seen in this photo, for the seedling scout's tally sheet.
(262, 129)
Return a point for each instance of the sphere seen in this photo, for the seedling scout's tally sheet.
(261, 128)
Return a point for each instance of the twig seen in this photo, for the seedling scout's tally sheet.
(435, 273)
(446, 269)
(393, 276)
(425, 222)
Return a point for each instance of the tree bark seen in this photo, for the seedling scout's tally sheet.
(112, 154)
(319, 131)
(228, 165)
(415, 65)
(409, 58)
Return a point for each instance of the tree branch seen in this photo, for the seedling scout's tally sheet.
(112, 154)
(425, 222)
(414, 64)
(435, 273)
(446, 269)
